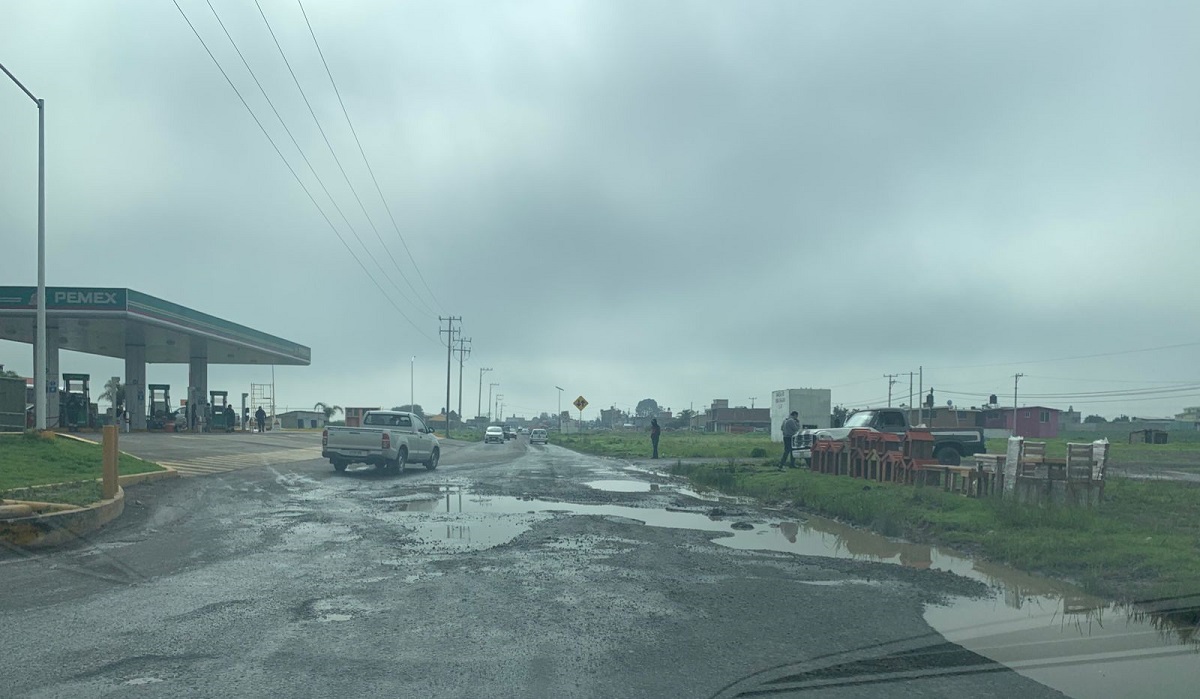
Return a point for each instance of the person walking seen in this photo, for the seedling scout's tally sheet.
(260, 416)
(790, 427)
(655, 433)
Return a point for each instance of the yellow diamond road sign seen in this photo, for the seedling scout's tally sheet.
(580, 403)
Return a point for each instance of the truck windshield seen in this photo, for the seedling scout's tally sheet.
(859, 420)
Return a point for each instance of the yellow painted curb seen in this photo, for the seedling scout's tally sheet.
(61, 527)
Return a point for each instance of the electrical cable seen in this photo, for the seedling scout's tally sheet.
(293, 171)
(366, 162)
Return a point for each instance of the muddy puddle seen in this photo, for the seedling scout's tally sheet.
(1049, 631)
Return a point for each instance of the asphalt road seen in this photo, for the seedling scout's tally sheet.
(500, 574)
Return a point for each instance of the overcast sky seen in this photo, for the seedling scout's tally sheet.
(631, 199)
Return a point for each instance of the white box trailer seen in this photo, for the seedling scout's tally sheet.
(815, 406)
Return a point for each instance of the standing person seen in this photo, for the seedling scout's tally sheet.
(230, 418)
(125, 420)
(790, 427)
(260, 416)
(655, 433)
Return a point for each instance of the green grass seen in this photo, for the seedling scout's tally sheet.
(671, 445)
(30, 460)
(1183, 453)
(1144, 540)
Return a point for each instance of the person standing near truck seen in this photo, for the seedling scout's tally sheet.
(790, 427)
(655, 433)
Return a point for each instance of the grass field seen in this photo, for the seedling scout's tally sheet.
(671, 445)
(1181, 454)
(30, 460)
(1143, 542)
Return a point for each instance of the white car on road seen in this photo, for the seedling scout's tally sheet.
(494, 433)
(538, 436)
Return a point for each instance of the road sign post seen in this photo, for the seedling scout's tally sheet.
(580, 404)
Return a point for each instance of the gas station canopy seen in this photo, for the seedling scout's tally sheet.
(106, 321)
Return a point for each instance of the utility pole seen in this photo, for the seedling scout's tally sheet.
(559, 414)
(891, 382)
(490, 387)
(499, 407)
(752, 399)
(463, 353)
(412, 391)
(1016, 379)
(39, 348)
(449, 331)
(479, 400)
(921, 392)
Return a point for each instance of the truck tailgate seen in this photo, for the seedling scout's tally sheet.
(354, 439)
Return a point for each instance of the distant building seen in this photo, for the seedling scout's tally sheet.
(354, 416)
(947, 417)
(1035, 421)
(722, 418)
(1191, 415)
(1070, 417)
(301, 419)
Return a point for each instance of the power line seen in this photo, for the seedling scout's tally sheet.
(338, 161)
(366, 162)
(1082, 356)
(293, 171)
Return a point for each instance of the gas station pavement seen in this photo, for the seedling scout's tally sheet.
(201, 454)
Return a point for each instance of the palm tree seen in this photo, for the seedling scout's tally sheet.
(114, 392)
(329, 410)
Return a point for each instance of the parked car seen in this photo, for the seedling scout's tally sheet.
(386, 438)
(538, 436)
(494, 433)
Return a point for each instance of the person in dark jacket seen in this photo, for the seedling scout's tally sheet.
(260, 416)
(791, 426)
(655, 433)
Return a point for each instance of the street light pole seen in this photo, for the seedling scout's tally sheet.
(412, 367)
(479, 400)
(559, 414)
(39, 351)
(490, 387)
(500, 407)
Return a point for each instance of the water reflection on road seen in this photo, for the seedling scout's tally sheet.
(1050, 631)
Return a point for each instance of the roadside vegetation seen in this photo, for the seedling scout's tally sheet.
(1142, 542)
(33, 461)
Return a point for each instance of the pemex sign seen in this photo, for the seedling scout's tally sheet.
(64, 298)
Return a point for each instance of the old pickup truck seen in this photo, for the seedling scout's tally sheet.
(950, 444)
(386, 438)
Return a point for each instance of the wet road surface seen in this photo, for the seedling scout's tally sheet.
(511, 570)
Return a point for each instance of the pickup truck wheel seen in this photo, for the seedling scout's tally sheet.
(948, 455)
(433, 459)
(338, 466)
(401, 458)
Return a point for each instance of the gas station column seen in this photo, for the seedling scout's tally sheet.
(198, 376)
(52, 376)
(135, 385)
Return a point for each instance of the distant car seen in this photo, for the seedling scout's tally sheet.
(521, 430)
(538, 436)
(510, 433)
(494, 433)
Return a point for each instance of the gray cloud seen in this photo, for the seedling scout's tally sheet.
(683, 201)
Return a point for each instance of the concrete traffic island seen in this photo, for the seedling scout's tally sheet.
(34, 523)
(52, 525)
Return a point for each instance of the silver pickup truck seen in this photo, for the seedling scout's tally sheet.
(387, 439)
